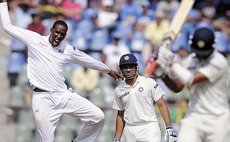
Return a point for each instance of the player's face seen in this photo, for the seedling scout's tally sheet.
(202, 57)
(57, 35)
(129, 71)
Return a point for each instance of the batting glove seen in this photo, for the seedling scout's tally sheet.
(170, 135)
(116, 140)
(165, 58)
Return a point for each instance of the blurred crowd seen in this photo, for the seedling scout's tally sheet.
(107, 29)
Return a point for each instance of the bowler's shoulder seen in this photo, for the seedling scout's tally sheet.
(68, 47)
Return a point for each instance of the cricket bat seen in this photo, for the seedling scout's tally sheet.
(174, 29)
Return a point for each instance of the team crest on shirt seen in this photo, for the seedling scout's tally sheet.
(140, 89)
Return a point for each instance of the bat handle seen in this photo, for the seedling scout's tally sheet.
(151, 69)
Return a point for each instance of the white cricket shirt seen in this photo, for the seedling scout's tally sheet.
(210, 97)
(45, 63)
(138, 101)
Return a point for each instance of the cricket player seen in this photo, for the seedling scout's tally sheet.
(208, 117)
(134, 101)
(47, 57)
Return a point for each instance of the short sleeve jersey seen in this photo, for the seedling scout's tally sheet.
(210, 97)
(138, 100)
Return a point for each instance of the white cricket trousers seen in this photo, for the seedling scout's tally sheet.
(205, 128)
(147, 132)
(48, 107)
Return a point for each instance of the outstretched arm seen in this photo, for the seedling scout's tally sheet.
(115, 75)
(79, 57)
(23, 35)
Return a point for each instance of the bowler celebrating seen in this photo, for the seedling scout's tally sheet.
(47, 57)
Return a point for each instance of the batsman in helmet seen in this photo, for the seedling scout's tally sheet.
(208, 117)
(134, 101)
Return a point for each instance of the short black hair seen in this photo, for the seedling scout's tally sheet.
(35, 15)
(60, 22)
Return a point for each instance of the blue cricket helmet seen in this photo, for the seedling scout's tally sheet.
(128, 59)
(203, 42)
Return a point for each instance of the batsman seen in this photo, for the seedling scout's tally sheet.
(205, 76)
(135, 100)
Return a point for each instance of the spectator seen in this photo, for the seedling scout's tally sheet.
(73, 12)
(169, 7)
(138, 39)
(36, 25)
(106, 17)
(156, 30)
(130, 11)
(146, 13)
(84, 80)
(113, 51)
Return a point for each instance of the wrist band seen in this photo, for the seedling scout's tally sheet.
(116, 140)
(183, 74)
(169, 127)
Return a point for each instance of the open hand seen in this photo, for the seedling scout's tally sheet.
(115, 75)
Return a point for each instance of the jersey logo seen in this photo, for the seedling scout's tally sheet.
(123, 95)
(140, 89)
(155, 86)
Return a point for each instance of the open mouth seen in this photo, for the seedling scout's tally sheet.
(56, 42)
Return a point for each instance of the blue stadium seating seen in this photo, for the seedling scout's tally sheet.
(16, 61)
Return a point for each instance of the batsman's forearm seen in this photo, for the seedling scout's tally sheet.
(173, 84)
(119, 127)
(165, 114)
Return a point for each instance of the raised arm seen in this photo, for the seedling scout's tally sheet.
(24, 35)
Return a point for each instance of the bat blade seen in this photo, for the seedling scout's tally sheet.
(179, 18)
(174, 29)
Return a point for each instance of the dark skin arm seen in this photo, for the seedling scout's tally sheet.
(176, 85)
(164, 111)
(114, 74)
(120, 123)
